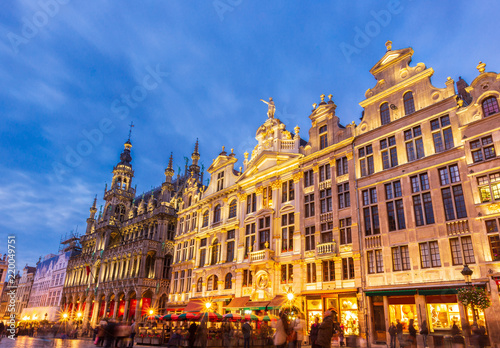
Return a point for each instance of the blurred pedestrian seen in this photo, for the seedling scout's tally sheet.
(246, 330)
(313, 335)
(392, 332)
(399, 332)
(175, 339)
(325, 332)
(281, 327)
(413, 333)
(192, 334)
(132, 334)
(424, 331)
(110, 333)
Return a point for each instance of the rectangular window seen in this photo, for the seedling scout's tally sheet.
(309, 205)
(324, 173)
(325, 200)
(249, 238)
(230, 245)
(489, 187)
(414, 144)
(247, 278)
(267, 197)
(342, 166)
(326, 232)
(310, 242)
(287, 230)
(462, 250)
(184, 251)
(220, 181)
(311, 272)
(287, 191)
(308, 178)
(366, 160)
(389, 152)
(343, 195)
(251, 203)
(442, 134)
(429, 255)
(176, 276)
(400, 258)
(345, 231)
(395, 209)
(375, 261)
(482, 149)
(191, 249)
(323, 137)
(347, 268)
(287, 273)
(494, 246)
(328, 271)
(453, 197)
(370, 212)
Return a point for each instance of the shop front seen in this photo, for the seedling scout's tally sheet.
(344, 308)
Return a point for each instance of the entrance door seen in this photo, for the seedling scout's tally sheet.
(379, 323)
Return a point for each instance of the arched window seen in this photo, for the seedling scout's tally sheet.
(150, 266)
(232, 209)
(228, 281)
(124, 184)
(217, 213)
(189, 201)
(216, 282)
(187, 223)
(210, 283)
(215, 252)
(199, 285)
(409, 103)
(490, 106)
(385, 115)
(205, 219)
(120, 212)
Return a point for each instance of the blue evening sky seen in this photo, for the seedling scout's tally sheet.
(195, 69)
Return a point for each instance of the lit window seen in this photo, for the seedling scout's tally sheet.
(409, 103)
(490, 106)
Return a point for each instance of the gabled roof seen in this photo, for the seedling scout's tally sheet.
(390, 58)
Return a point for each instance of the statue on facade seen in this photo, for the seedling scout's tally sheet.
(270, 107)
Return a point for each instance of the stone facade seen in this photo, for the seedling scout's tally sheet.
(24, 289)
(124, 268)
(374, 220)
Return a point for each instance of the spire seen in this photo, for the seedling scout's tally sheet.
(194, 168)
(125, 157)
(91, 219)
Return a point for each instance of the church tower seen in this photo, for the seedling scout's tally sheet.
(119, 197)
(91, 219)
(167, 187)
(195, 157)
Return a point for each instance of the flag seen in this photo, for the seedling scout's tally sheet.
(88, 269)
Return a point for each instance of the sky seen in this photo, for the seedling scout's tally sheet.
(76, 74)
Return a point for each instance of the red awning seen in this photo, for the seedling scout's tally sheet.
(194, 305)
(277, 302)
(238, 302)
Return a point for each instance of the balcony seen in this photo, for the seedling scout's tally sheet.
(326, 217)
(373, 242)
(261, 255)
(287, 144)
(457, 227)
(325, 248)
(325, 184)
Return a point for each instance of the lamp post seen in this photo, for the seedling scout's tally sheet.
(467, 273)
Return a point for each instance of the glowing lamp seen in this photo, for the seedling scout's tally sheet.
(151, 312)
(79, 314)
(467, 273)
(289, 296)
(208, 305)
(65, 315)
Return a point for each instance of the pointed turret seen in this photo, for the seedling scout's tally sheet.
(91, 219)
(194, 168)
(169, 172)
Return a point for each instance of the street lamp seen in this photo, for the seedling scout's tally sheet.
(467, 273)
(290, 296)
(208, 305)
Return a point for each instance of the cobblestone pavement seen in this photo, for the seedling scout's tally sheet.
(30, 342)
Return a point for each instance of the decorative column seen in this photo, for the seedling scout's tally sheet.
(115, 309)
(125, 311)
(95, 313)
(88, 303)
(138, 308)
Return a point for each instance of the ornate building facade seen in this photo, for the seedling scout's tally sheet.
(375, 220)
(24, 289)
(124, 267)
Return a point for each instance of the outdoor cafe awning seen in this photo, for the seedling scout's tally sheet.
(257, 305)
(194, 305)
(238, 302)
(277, 302)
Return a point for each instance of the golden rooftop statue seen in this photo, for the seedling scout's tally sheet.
(271, 108)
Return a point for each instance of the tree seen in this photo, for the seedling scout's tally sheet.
(475, 297)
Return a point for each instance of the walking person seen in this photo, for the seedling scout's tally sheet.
(392, 332)
(313, 335)
(246, 329)
(325, 332)
(192, 334)
(175, 339)
(424, 332)
(132, 334)
(281, 327)
(399, 332)
(226, 333)
(299, 329)
(413, 333)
